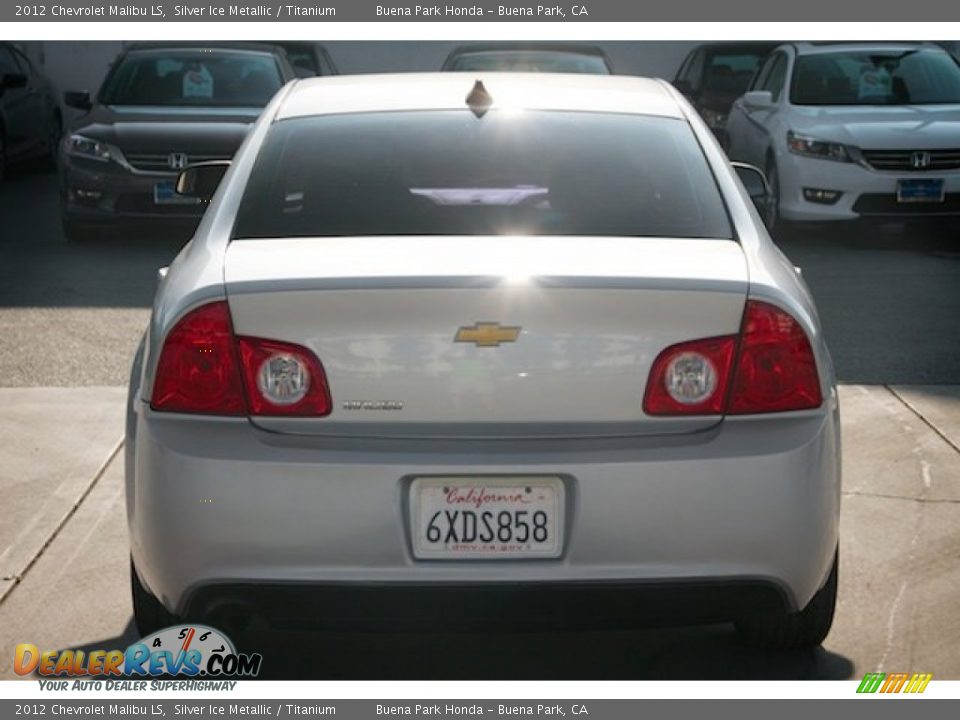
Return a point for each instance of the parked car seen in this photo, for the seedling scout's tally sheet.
(162, 106)
(847, 131)
(368, 398)
(529, 57)
(713, 76)
(309, 59)
(30, 118)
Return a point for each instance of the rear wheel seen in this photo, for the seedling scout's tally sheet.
(149, 613)
(792, 631)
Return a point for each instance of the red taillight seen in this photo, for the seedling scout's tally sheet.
(769, 367)
(204, 369)
(283, 379)
(198, 370)
(776, 370)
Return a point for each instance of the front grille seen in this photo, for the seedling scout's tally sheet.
(886, 204)
(160, 162)
(905, 160)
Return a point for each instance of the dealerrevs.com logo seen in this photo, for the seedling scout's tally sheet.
(194, 651)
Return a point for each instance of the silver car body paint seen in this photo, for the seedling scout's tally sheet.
(217, 500)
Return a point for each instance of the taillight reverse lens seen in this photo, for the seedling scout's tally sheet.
(776, 370)
(198, 370)
(283, 379)
(690, 378)
(204, 369)
(769, 367)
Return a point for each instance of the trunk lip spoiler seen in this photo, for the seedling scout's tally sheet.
(452, 282)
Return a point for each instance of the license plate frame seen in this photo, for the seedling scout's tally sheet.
(920, 190)
(427, 495)
(165, 193)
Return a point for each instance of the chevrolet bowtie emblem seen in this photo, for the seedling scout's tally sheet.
(487, 334)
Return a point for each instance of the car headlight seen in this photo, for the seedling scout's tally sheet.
(88, 148)
(714, 119)
(811, 147)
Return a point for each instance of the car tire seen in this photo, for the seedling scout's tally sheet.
(795, 631)
(78, 232)
(52, 149)
(149, 614)
(778, 228)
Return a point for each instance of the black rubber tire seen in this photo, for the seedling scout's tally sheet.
(51, 152)
(149, 614)
(778, 228)
(803, 630)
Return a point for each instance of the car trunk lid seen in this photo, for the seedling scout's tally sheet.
(475, 336)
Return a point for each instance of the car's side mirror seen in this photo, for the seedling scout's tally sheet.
(756, 185)
(11, 81)
(77, 99)
(758, 100)
(201, 180)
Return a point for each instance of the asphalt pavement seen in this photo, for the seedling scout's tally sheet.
(70, 319)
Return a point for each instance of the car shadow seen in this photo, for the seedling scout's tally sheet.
(917, 237)
(41, 268)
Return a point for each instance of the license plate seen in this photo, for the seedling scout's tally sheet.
(487, 517)
(920, 190)
(165, 193)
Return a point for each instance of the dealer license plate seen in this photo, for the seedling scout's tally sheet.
(917, 190)
(487, 517)
(165, 193)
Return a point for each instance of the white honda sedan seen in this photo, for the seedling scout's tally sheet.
(854, 131)
(495, 349)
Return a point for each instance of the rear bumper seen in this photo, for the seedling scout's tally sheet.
(218, 508)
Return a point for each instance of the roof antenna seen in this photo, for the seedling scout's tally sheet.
(479, 100)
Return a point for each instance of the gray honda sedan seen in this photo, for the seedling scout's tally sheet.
(162, 107)
(492, 348)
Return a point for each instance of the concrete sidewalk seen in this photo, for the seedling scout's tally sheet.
(54, 443)
(65, 557)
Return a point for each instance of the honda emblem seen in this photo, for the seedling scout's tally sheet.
(178, 161)
(920, 160)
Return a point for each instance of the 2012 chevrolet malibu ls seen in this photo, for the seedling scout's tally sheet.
(483, 347)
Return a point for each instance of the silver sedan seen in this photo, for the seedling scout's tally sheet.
(492, 348)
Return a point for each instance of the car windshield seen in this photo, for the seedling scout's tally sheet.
(452, 173)
(530, 61)
(193, 77)
(902, 77)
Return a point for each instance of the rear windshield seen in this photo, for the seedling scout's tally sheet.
(193, 77)
(451, 173)
(530, 61)
(905, 77)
